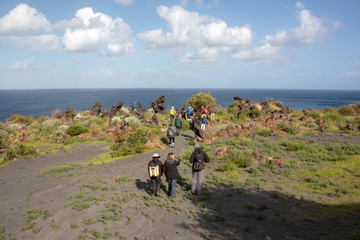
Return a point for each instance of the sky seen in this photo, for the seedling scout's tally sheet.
(277, 44)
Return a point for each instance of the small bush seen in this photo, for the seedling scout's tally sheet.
(70, 113)
(10, 155)
(263, 131)
(254, 113)
(56, 114)
(133, 122)
(346, 111)
(77, 129)
(16, 118)
(233, 106)
(201, 99)
(23, 150)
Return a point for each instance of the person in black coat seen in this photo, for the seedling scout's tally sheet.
(198, 159)
(171, 172)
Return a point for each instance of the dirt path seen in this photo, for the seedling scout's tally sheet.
(113, 201)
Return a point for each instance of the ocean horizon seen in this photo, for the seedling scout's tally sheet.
(42, 102)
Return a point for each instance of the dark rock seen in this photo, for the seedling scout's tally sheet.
(237, 98)
(303, 118)
(116, 108)
(159, 105)
(96, 109)
(154, 120)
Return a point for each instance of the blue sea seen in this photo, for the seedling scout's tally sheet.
(43, 102)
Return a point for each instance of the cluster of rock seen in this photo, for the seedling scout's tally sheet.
(158, 106)
(273, 107)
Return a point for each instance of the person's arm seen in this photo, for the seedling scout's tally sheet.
(178, 162)
(207, 159)
(192, 157)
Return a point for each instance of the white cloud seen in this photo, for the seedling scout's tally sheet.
(311, 30)
(23, 19)
(125, 2)
(48, 42)
(88, 31)
(197, 35)
(23, 65)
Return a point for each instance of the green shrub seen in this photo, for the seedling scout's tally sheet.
(10, 154)
(315, 113)
(77, 129)
(201, 99)
(346, 111)
(69, 113)
(23, 150)
(263, 131)
(3, 138)
(294, 146)
(239, 159)
(233, 106)
(16, 118)
(291, 129)
(254, 113)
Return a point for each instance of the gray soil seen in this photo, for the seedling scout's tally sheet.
(113, 200)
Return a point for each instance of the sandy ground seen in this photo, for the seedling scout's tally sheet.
(113, 201)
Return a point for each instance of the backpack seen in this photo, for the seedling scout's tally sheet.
(199, 163)
(170, 133)
(154, 171)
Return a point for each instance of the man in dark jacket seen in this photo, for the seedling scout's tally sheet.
(171, 172)
(198, 159)
(178, 125)
(155, 173)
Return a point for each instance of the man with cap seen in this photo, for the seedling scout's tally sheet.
(198, 159)
(155, 173)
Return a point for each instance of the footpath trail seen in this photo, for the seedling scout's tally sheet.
(59, 196)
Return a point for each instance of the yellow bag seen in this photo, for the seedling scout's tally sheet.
(154, 171)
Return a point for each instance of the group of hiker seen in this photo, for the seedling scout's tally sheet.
(199, 121)
(156, 169)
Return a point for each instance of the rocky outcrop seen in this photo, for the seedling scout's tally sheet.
(159, 105)
(154, 120)
(259, 109)
(96, 109)
(116, 108)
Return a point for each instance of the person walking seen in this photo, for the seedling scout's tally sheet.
(171, 172)
(196, 125)
(203, 110)
(155, 173)
(170, 133)
(212, 114)
(198, 159)
(172, 114)
(178, 125)
(203, 121)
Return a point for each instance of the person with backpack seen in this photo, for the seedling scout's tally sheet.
(203, 121)
(178, 125)
(171, 172)
(170, 133)
(155, 173)
(172, 114)
(188, 113)
(198, 159)
(212, 114)
(196, 125)
(203, 110)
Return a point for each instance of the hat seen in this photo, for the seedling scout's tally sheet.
(172, 107)
(155, 155)
(196, 145)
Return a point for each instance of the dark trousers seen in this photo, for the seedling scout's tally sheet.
(172, 186)
(178, 129)
(171, 140)
(156, 185)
